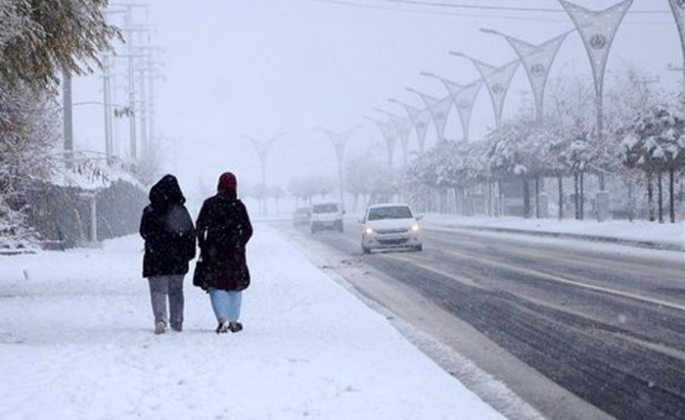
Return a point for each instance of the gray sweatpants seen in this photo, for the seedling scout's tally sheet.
(160, 288)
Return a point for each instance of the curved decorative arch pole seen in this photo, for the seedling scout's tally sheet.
(403, 126)
(463, 97)
(390, 135)
(420, 118)
(497, 80)
(537, 60)
(263, 148)
(339, 141)
(678, 9)
(439, 109)
(598, 29)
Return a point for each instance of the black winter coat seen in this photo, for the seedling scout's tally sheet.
(168, 231)
(223, 228)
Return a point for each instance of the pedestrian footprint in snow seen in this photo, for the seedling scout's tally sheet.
(169, 234)
(224, 229)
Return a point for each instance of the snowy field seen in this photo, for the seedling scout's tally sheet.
(76, 343)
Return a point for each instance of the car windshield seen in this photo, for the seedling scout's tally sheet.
(395, 212)
(325, 208)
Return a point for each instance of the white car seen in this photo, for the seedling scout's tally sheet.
(301, 216)
(326, 216)
(388, 226)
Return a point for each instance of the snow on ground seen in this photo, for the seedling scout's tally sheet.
(76, 343)
(639, 230)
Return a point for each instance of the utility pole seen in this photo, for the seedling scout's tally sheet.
(147, 72)
(151, 110)
(129, 28)
(133, 145)
(107, 110)
(68, 122)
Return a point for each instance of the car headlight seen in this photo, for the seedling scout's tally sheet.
(415, 227)
(368, 231)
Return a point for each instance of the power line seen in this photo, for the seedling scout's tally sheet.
(399, 8)
(500, 8)
(472, 6)
(466, 7)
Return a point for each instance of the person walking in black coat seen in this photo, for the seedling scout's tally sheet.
(169, 234)
(224, 228)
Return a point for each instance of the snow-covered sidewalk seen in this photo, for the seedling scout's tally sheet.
(76, 343)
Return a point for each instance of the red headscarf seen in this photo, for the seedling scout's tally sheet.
(228, 185)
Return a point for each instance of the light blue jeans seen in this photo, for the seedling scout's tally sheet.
(226, 304)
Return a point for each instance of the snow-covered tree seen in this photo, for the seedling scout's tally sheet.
(28, 130)
(520, 149)
(367, 176)
(655, 143)
(309, 186)
(38, 40)
(574, 110)
(41, 38)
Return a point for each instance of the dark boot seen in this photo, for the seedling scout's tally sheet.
(223, 327)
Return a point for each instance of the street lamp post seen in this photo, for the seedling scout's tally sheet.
(678, 9)
(419, 119)
(339, 141)
(598, 29)
(263, 148)
(537, 60)
(389, 134)
(497, 80)
(463, 96)
(403, 127)
(439, 109)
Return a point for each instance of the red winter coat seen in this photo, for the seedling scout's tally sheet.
(223, 229)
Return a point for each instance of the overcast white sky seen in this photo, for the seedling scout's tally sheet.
(258, 68)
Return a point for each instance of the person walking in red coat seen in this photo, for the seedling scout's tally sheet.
(224, 229)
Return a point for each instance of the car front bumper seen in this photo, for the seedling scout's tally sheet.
(391, 240)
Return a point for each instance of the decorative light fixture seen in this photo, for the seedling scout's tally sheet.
(537, 60)
(497, 80)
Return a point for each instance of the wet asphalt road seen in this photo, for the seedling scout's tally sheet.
(607, 323)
